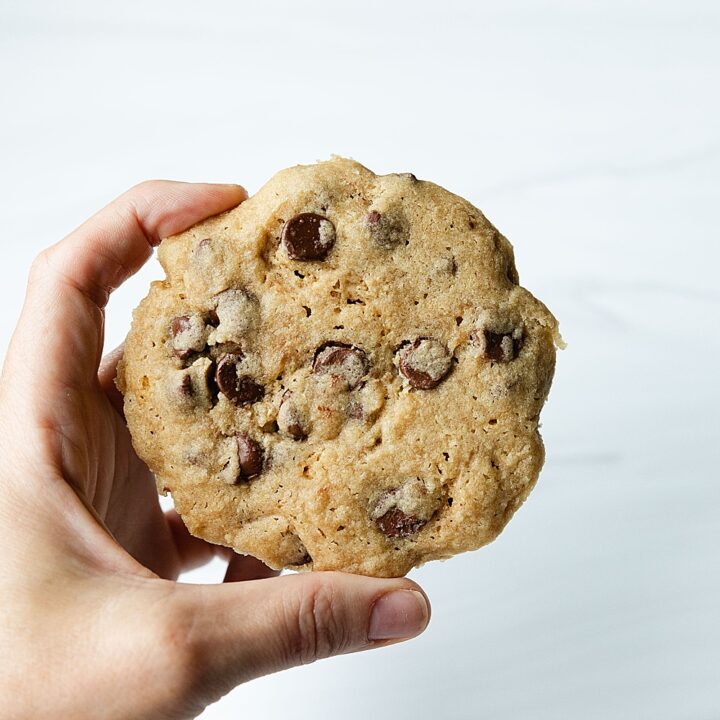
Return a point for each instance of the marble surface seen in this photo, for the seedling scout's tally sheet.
(589, 133)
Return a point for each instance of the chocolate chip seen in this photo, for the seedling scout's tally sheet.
(229, 460)
(189, 334)
(190, 387)
(425, 362)
(243, 458)
(180, 325)
(241, 389)
(296, 431)
(395, 523)
(308, 236)
(252, 457)
(500, 347)
(303, 560)
(186, 386)
(340, 360)
(289, 418)
(387, 229)
(297, 553)
(405, 509)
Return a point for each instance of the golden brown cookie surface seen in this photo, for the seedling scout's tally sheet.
(341, 373)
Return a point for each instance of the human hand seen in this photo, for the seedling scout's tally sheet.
(93, 622)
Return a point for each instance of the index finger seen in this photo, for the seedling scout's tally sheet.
(70, 282)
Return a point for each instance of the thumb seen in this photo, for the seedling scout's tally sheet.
(241, 631)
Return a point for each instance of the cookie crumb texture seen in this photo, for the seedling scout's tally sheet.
(342, 373)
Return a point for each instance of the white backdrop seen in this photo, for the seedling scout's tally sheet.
(589, 133)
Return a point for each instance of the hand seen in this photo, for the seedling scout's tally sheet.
(93, 622)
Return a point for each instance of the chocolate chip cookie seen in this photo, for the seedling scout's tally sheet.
(341, 373)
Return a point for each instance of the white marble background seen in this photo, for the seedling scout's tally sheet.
(589, 132)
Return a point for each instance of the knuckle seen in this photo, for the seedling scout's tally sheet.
(140, 196)
(40, 264)
(146, 186)
(139, 202)
(316, 628)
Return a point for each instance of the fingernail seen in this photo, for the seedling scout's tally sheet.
(399, 614)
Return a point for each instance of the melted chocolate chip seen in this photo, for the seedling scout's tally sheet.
(425, 362)
(241, 389)
(289, 419)
(396, 523)
(296, 431)
(186, 387)
(178, 326)
(341, 360)
(407, 508)
(252, 457)
(386, 229)
(499, 347)
(308, 236)
(188, 335)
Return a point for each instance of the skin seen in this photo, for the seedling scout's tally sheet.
(93, 620)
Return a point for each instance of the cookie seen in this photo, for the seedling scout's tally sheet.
(342, 373)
